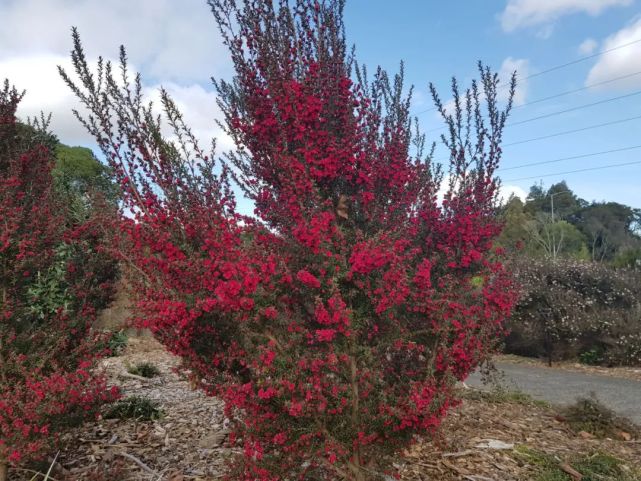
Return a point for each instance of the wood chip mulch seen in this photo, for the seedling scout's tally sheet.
(478, 442)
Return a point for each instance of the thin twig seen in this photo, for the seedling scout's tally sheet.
(137, 461)
(31, 471)
(459, 454)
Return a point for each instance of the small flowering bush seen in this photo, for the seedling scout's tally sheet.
(335, 322)
(47, 348)
(578, 309)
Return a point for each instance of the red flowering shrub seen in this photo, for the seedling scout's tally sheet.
(47, 349)
(336, 321)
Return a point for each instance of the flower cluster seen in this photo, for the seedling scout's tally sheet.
(336, 321)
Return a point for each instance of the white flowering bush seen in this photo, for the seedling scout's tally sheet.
(573, 309)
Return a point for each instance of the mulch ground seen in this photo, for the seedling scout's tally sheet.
(478, 441)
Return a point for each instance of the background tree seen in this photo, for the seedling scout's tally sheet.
(554, 239)
(565, 201)
(600, 231)
(609, 228)
(514, 236)
(47, 299)
(336, 322)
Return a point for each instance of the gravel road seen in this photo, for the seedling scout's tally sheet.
(563, 387)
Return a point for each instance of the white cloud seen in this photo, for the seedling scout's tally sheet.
(522, 68)
(173, 43)
(169, 40)
(504, 193)
(199, 110)
(588, 46)
(507, 191)
(528, 13)
(45, 92)
(624, 61)
(510, 65)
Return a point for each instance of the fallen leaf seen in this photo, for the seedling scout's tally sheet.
(625, 436)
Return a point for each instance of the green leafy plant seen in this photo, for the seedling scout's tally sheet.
(144, 369)
(593, 467)
(502, 395)
(591, 357)
(49, 292)
(117, 342)
(135, 407)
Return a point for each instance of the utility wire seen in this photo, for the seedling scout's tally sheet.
(582, 156)
(611, 166)
(568, 92)
(582, 59)
(566, 132)
(567, 64)
(579, 107)
(559, 112)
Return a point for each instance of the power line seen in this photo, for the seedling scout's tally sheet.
(558, 112)
(586, 87)
(582, 156)
(567, 64)
(566, 132)
(580, 107)
(582, 59)
(611, 166)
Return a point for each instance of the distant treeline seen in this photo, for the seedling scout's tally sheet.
(556, 223)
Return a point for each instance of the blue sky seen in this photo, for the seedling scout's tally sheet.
(174, 43)
(440, 39)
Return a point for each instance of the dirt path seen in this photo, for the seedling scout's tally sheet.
(189, 441)
(563, 387)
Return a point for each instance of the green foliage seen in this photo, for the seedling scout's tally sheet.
(628, 258)
(135, 407)
(592, 357)
(144, 369)
(117, 342)
(514, 235)
(79, 171)
(594, 467)
(500, 395)
(608, 227)
(555, 239)
(50, 290)
(599, 231)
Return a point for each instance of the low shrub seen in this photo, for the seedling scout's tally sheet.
(144, 369)
(135, 407)
(589, 415)
(592, 357)
(117, 342)
(50, 290)
(572, 309)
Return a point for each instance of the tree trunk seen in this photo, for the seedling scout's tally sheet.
(4, 470)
